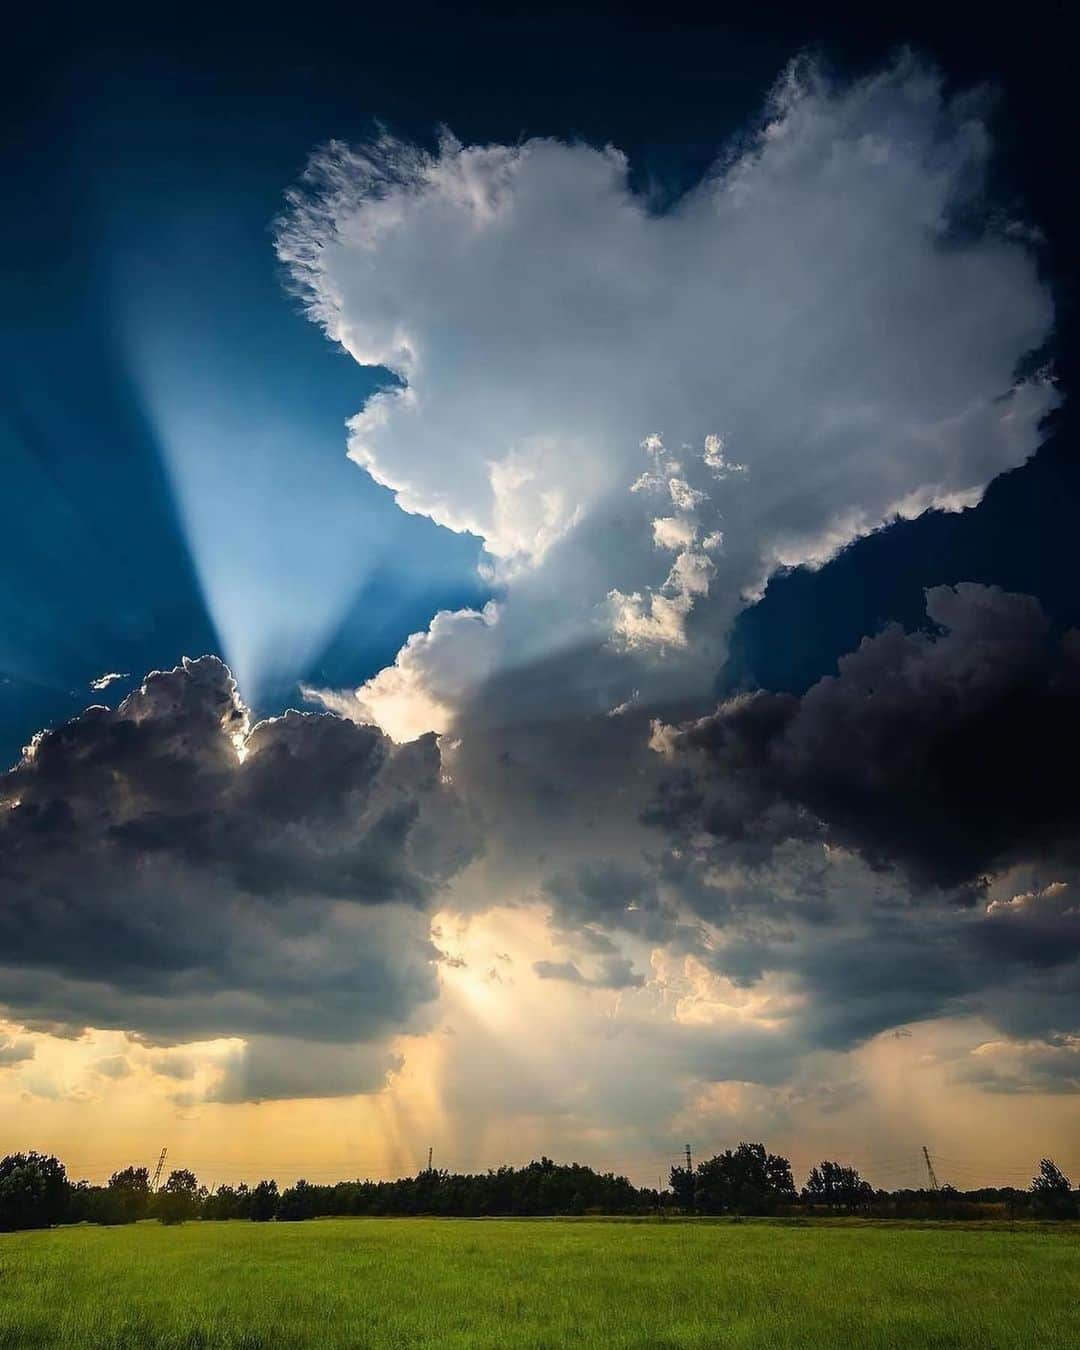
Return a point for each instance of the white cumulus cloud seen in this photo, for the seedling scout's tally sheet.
(811, 299)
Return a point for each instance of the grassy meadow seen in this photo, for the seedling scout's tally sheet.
(539, 1283)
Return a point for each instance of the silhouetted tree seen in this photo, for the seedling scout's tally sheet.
(1051, 1191)
(228, 1202)
(681, 1182)
(300, 1202)
(128, 1195)
(34, 1191)
(264, 1201)
(837, 1187)
(178, 1200)
(746, 1180)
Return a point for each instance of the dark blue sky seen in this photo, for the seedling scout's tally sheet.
(172, 427)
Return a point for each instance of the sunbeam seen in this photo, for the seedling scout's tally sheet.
(277, 529)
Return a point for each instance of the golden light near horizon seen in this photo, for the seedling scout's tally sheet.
(470, 1087)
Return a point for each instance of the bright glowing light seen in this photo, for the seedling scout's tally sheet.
(280, 531)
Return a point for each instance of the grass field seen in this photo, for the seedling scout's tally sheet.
(501, 1283)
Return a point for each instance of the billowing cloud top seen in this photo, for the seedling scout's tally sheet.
(805, 346)
(807, 301)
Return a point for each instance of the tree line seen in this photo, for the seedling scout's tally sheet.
(35, 1192)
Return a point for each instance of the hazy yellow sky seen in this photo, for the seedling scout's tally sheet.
(515, 1066)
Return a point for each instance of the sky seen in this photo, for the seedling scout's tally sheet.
(538, 608)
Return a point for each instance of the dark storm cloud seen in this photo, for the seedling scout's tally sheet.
(155, 878)
(613, 972)
(899, 843)
(882, 959)
(606, 894)
(948, 754)
(559, 970)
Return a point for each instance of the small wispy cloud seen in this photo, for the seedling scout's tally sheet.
(103, 681)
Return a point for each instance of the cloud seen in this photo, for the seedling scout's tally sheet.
(1023, 1067)
(559, 1056)
(613, 972)
(168, 869)
(826, 849)
(949, 753)
(643, 415)
(113, 1066)
(659, 617)
(808, 336)
(15, 1050)
(103, 681)
(452, 655)
(271, 1068)
(608, 895)
(175, 1064)
(898, 844)
(559, 970)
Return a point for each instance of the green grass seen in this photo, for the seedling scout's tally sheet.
(505, 1283)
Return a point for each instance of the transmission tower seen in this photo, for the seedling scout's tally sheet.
(690, 1179)
(157, 1169)
(935, 1185)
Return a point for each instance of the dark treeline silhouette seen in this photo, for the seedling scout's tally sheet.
(745, 1180)
(539, 1188)
(35, 1193)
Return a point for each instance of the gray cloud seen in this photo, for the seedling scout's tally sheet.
(901, 841)
(887, 909)
(612, 972)
(609, 894)
(272, 1068)
(113, 1066)
(949, 753)
(174, 1065)
(167, 871)
(15, 1051)
(1051, 1066)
